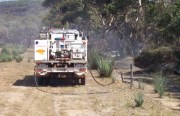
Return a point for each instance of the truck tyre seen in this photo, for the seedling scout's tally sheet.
(46, 80)
(39, 80)
(83, 81)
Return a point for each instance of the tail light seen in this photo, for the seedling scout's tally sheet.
(84, 43)
(38, 70)
(82, 70)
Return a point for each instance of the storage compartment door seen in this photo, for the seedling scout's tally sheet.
(41, 49)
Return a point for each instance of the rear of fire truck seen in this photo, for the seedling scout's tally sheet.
(60, 53)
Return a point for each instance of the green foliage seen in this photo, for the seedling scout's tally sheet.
(154, 58)
(12, 52)
(18, 49)
(165, 17)
(104, 67)
(18, 58)
(64, 12)
(5, 57)
(154, 22)
(93, 59)
(159, 84)
(49, 2)
(85, 12)
(139, 99)
(5, 50)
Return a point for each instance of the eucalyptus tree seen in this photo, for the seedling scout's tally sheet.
(97, 16)
(146, 21)
(163, 17)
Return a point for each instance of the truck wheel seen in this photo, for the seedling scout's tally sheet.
(40, 80)
(46, 80)
(83, 81)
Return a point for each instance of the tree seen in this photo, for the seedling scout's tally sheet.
(104, 14)
(99, 16)
(164, 17)
(132, 21)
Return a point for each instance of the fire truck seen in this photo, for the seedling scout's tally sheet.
(60, 53)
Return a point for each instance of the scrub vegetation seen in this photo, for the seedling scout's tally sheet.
(12, 52)
(104, 66)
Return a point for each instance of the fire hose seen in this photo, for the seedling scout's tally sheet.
(58, 93)
(113, 80)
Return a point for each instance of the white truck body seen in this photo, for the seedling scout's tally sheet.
(61, 51)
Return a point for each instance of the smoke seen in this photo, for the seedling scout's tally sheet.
(119, 44)
(20, 21)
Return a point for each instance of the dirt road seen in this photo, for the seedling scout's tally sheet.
(20, 97)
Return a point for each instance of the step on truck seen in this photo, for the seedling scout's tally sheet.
(60, 53)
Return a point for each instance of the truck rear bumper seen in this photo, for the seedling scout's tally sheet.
(47, 71)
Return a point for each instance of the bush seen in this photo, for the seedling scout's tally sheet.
(139, 99)
(159, 84)
(93, 59)
(105, 67)
(154, 58)
(5, 50)
(18, 58)
(12, 52)
(18, 49)
(5, 57)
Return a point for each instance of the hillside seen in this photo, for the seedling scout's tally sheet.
(20, 21)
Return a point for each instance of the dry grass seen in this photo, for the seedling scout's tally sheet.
(20, 97)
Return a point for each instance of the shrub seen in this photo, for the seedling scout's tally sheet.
(159, 84)
(105, 67)
(12, 52)
(93, 59)
(18, 49)
(5, 57)
(154, 58)
(5, 50)
(18, 58)
(139, 99)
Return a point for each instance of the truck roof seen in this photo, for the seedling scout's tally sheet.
(63, 31)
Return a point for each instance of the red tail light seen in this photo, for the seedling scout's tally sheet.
(38, 70)
(38, 62)
(82, 70)
(84, 43)
(63, 38)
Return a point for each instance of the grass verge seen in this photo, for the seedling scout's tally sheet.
(159, 84)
